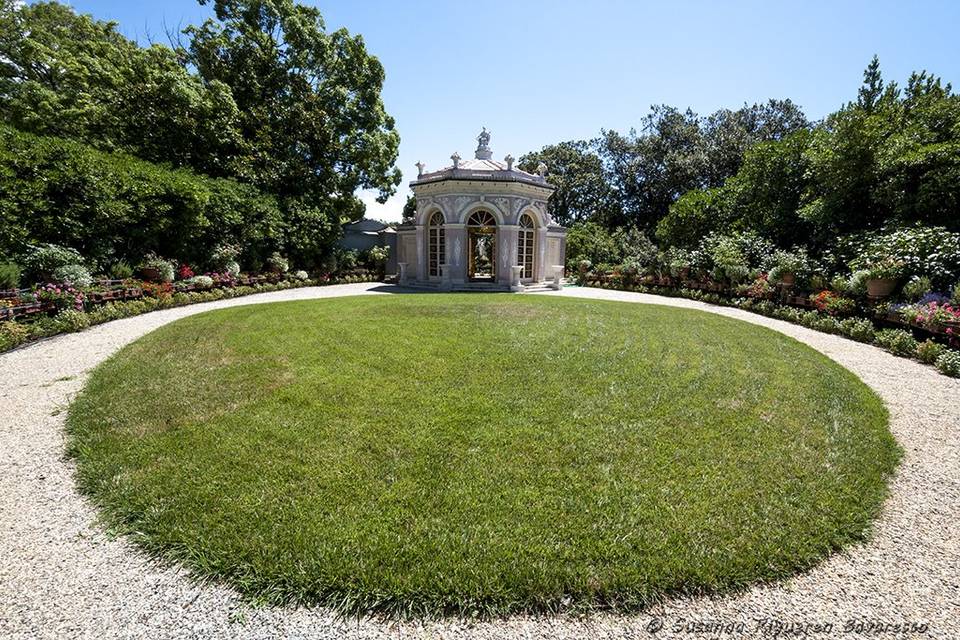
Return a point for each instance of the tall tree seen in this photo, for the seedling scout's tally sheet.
(872, 88)
(309, 102)
(69, 75)
(650, 170)
(582, 191)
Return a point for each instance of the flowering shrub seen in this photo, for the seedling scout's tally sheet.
(928, 351)
(887, 268)
(859, 329)
(278, 263)
(917, 288)
(12, 334)
(70, 320)
(163, 267)
(63, 296)
(782, 263)
(835, 305)
(301, 275)
(924, 251)
(897, 341)
(936, 314)
(43, 260)
(184, 272)
(948, 363)
(73, 275)
(760, 288)
(223, 255)
(157, 289)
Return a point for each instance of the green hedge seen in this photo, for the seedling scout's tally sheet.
(112, 206)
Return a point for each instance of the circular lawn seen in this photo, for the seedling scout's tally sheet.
(479, 454)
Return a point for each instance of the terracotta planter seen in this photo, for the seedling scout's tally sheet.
(151, 274)
(880, 288)
(788, 279)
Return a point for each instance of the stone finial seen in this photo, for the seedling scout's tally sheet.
(456, 160)
(509, 160)
(420, 167)
(483, 146)
(542, 170)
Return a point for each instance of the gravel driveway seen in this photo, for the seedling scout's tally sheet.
(62, 576)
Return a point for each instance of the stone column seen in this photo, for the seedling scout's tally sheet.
(402, 266)
(456, 235)
(445, 284)
(539, 268)
(421, 262)
(506, 252)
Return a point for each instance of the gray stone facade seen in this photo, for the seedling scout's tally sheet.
(481, 223)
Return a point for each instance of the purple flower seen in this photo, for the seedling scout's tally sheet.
(937, 298)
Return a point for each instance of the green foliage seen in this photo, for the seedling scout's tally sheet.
(948, 363)
(733, 257)
(73, 274)
(929, 351)
(883, 269)
(931, 252)
(309, 109)
(261, 93)
(163, 267)
(13, 334)
(121, 270)
(782, 262)
(582, 194)
(897, 341)
(113, 206)
(111, 93)
(378, 255)
(409, 213)
(9, 275)
(70, 320)
(635, 246)
(696, 214)
(917, 288)
(278, 263)
(590, 241)
(678, 151)
(42, 260)
(859, 329)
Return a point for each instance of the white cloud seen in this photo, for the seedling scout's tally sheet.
(390, 211)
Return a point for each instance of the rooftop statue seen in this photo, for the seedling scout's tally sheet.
(483, 148)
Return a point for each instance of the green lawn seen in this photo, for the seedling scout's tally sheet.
(480, 454)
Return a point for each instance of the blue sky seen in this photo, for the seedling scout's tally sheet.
(539, 72)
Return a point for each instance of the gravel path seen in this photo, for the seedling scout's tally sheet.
(61, 576)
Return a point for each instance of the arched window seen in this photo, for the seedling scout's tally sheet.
(481, 219)
(525, 238)
(436, 245)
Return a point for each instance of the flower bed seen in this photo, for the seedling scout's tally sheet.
(50, 310)
(934, 320)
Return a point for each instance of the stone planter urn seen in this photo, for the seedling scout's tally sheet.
(880, 287)
(515, 273)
